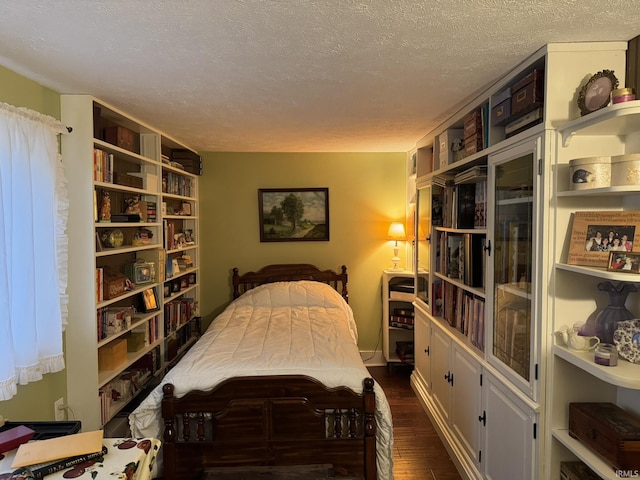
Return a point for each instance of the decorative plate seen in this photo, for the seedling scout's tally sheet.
(627, 340)
(596, 93)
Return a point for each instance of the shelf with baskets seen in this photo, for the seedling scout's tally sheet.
(120, 341)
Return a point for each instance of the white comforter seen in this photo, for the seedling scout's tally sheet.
(303, 328)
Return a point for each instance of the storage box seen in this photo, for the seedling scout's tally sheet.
(122, 137)
(473, 143)
(191, 161)
(447, 141)
(112, 355)
(114, 284)
(528, 93)
(625, 169)
(501, 107)
(589, 172)
(609, 431)
(523, 122)
(576, 471)
(141, 272)
(135, 341)
(473, 123)
(127, 180)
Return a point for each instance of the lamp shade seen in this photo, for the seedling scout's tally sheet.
(396, 231)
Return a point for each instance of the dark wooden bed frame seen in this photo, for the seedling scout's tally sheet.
(278, 420)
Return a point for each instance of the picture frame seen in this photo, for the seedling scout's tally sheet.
(595, 234)
(150, 300)
(293, 214)
(186, 209)
(624, 262)
(596, 93)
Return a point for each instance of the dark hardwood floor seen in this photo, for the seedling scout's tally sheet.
(418, 451)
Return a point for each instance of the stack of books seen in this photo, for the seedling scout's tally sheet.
(404, 350)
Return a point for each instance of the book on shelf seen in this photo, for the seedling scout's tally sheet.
(405, 351)
(455, 253)
(437, 298)
(465, 205)
(474, 260)
(479, 218)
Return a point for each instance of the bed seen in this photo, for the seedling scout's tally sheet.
(276, 380)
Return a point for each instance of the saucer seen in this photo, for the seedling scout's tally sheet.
(627, 340)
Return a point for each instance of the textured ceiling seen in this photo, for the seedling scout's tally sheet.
(291, 75)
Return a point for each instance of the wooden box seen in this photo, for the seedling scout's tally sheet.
(473, 123)
(528, 93)
(191, 161)
(609, 431)
(473, 143)
(122, 137)
(576, 471)
(127, 180)
(113, 284)
(501, 113)
(135, 341)
(112, 355)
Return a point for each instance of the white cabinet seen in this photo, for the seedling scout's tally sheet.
(422, 341)
(509, 433)
(398, 316)
(116, 342)
(613, 130)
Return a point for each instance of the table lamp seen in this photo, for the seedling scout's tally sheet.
(396, 232)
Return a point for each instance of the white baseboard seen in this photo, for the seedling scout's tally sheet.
(373, 358)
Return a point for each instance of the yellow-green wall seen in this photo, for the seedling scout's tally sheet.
(366, 192)
(35, 400)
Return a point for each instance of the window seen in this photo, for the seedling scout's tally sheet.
(33, 254)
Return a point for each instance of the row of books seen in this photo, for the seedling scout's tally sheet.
(102, 166)
(464, 311)
(461, 256)
(175, 184)
(460, 205)
(177, 313)
(405, 351)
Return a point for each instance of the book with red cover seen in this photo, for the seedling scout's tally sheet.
(14, 437)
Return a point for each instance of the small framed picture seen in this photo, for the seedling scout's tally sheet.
(624, 262)
(167, 289)
(184, 282)
(150, 300)
(186, 208)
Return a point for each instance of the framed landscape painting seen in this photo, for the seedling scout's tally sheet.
(293, 214)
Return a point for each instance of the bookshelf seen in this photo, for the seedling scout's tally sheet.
(520, 398)
(125, 331)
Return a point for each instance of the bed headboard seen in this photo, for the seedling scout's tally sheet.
(290, 273)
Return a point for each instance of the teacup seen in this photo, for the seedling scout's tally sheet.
(578, 342)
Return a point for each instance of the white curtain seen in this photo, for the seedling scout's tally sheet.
(33, 248)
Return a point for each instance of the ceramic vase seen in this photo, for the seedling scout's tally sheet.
(607, 320)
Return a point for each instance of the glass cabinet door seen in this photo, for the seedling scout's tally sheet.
(511, 223)
(423, 243)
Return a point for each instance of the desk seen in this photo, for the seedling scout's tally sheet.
(126, 459)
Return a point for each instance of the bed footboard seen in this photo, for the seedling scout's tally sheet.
(269, 420)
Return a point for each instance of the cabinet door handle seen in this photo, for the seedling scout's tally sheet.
(487, 247)
(446, 377)
(483, 418)
(426, 350)
(451, 379)
(428, 238)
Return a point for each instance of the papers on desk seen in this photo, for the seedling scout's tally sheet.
(56, 448)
